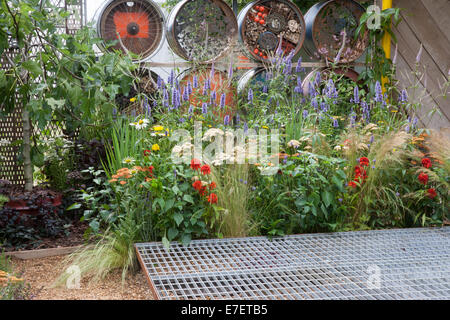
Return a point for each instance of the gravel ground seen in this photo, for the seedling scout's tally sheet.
(41, 273)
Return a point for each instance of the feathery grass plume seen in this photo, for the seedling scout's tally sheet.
(115, 250)
(388, 152)
(232, 189)
(439, 145)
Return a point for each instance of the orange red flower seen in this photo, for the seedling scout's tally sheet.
(197, 185)
(195, 164)
(212, 198)
(426, 162)
(205, 169)
(423, 178)
(431, 193)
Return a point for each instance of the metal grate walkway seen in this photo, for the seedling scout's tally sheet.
(387, 264)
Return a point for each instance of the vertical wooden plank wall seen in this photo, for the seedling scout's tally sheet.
(426, 23)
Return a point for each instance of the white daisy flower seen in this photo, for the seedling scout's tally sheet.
(128, 160)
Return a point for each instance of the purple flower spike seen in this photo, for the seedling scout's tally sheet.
(378, 92)
(195, 82)
(204, 108)
(356, 95)
(222, 100)
(186, 94)
(250, 96)
(230, 70)
(298, 68)
(305, 113)
(226, 120)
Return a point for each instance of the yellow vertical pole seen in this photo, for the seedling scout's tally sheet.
(386, 41)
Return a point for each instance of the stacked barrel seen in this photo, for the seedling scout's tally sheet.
(205, 31)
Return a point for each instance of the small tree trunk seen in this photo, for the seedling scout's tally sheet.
(28, 169)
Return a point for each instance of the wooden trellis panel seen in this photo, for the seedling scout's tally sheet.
(11, 168)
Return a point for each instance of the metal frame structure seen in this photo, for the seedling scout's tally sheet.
(387, 264)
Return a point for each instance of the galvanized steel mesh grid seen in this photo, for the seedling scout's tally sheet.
(411, 263)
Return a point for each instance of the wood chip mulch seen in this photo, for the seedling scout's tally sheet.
(41, 274)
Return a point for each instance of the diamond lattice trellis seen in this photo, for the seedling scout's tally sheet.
(11, 125)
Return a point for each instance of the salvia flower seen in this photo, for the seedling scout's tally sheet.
(226, 120)
(171, 77)
(250, 96)
(211, 74)
(191, 109)
(195, 82)
(189, 88)
(222, 100)
(305, 113)
(265, 89)
(298, 68)
(378, 92)
(335, 123)
(204, 108)
(419, 54)
(230, 70)
(213, 97)
(356, 95)
(403, 98)
(315, 104)
(245, 127)
(185, 94)
(238, 118)
(317, 79)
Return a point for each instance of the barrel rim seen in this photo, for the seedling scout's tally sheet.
(243, 14)
(320, 6)
(174, 44)
(99, 14)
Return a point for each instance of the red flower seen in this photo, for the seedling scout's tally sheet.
(151, 169)
(212, 198)
(426, 162)
(364, 161)
(352, 184)
(202, 190)
(360, 172)
(432, 193)
(423, 178)
(197, 185)
(195, 164)
(147, 153)
(212, 186)
(205, 169)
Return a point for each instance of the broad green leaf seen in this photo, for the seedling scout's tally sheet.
(33, 67)
(178, 217)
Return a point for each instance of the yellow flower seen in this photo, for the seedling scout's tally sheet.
(158, 128)
(394, 111)
(155, 147)
(133, 99)
(265, 127)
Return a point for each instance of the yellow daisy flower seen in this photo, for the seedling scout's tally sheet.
(155, 147)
